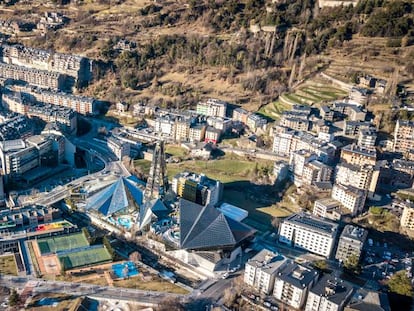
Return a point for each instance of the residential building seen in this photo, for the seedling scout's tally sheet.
(222, 124)
(283, 141)
(327, 208)
(358, 96)
(212, 108)
(329, 294)
(75, 66)
(182, 129)
(326, 113)
(51, 21)
(197, 132)
(240, 115)
(404, 137)
(255, 122)
(212, 135)
(310, 233)
(364, 177)
(292, 283)
(350, 197)
(280, 170)
(407, 217)
(118, 147)
(165, 126)
(352, 128)
(41, 78)
(364, 300)
(351, 242)
(367, 137)
(358, 155)
(261, 270)
(18, 158)
(16, 127)
(316, 171)
(298, 160)
(367, 81)
(197, 188)
(121, 107)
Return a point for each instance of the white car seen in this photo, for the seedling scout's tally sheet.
(225, 276)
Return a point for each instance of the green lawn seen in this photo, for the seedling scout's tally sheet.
(274, 110)
(228, 169)
(63, 242)
(8, 265)
(175, 151)
(156, 284)
(144, 165)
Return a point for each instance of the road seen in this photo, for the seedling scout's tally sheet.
(81, 289)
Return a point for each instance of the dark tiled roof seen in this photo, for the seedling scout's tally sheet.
(204, 227)
(296, 275)
(339, 290)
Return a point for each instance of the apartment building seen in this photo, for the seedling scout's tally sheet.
(364, 177)
(327, 208)
(240, 115)
(18, 158)
(367, 137)
(41, 78)
(197, 188)
(404, 137)
(329, 294)
(350, 197)
(75, 66)
(359, 155)
(15, 127)
(292, 284)
(351, 242)
(182, 129)
(283, 141)
(352, 128)
(407, 217)
(212, 108)
(255, 122)
(261, 270)
(165, 126)
(222, 124)
(358, 96)
(309, 233)
(212, 135)
(197, 132)
(316, 171)
(118, 147)
(326, 113)
(298, 160)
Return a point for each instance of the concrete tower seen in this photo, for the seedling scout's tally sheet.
(157, 183)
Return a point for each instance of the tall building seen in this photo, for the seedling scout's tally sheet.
(351, 242)
(329, 294)
(358, 155)
(407, 217)
(350, 197)
(309, 233)
(292, 284)
(212, 108)
(261, 270)
(327, 208)
(157, 182)
(197, 188)
(404, 137)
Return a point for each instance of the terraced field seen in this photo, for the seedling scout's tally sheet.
(311, 93)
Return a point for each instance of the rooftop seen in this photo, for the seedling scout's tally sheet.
(267, 261)
(333, 289)
(296, 275)
(354, 233)
(313, 223)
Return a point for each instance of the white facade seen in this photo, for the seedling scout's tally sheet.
(310, 233)
(350, 197)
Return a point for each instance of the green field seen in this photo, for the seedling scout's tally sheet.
(85, 258)
(175, 151)
(8, 265)
(231, 168)
(60, 243)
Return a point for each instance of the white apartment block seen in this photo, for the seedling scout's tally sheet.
(363, 177)
(316, 171)
(261, 270)
(298, 160)
(350, 197)
(255, 122)
(164, 126)
(292, 284)
(329, 294)
(283, 142)
(309, 233)
(407, 217)
(119, 148)
(212, 108)
(327, 208)
(404, 136)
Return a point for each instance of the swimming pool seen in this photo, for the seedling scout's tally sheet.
(125, 221)
(124, 270)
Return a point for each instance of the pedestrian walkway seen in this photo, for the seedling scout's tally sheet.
(108, 278)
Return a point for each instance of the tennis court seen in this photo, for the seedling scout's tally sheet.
(62, 242)
(85, 258)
